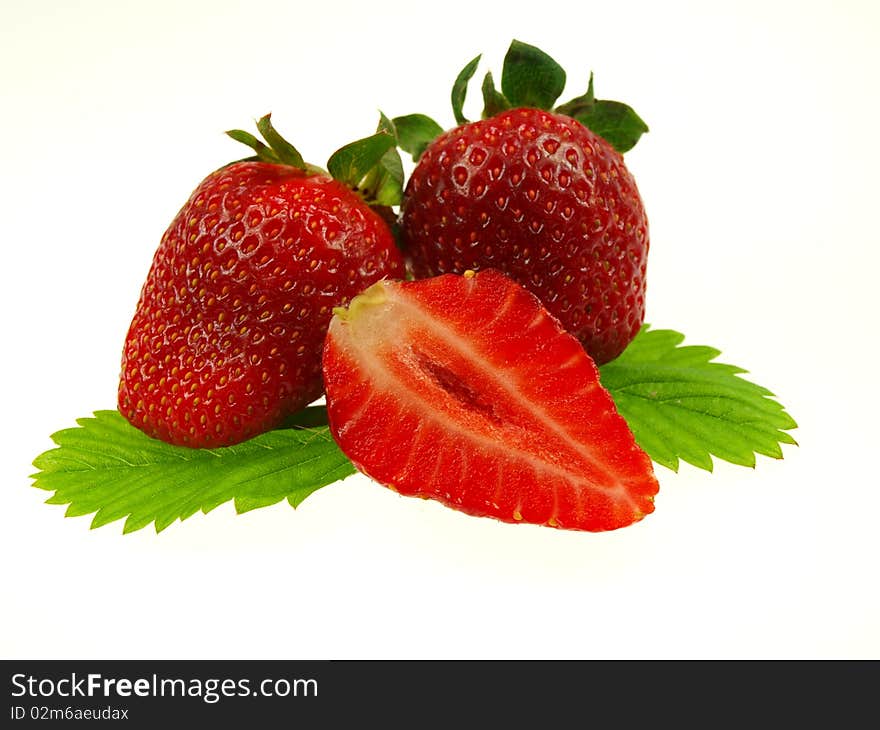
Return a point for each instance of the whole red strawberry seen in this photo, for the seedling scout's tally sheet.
(464, 389)
(226, 339)
(542, 195)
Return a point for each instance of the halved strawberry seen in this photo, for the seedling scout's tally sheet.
(466, 390)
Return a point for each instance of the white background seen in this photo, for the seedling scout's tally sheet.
(760, 179)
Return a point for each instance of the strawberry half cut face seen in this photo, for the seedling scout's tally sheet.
(464, 389)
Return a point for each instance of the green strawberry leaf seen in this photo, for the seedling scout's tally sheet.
(415, 132)
(581, 104)
(529, 77)
(308, 417)
(351, 164)
(459, 89)
(494, 102)
(680, 404)
(284, 151)
(108, 467)
(263, 153)
(683, 406)
(383, 184)
(614, 121)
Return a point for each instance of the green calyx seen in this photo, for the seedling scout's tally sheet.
(276, 149)
(529, 78)
(370, 166)
(617, 122)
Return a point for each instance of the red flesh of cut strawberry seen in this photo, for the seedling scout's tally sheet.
(464, 389)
